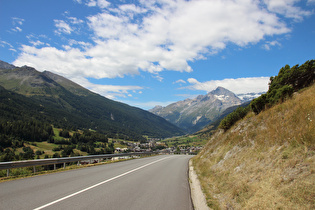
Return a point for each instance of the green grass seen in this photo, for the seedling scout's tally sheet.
(56, 132)
(45, 145)
(183, 141)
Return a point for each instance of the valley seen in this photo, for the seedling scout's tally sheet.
(158, 104)
(246, 152)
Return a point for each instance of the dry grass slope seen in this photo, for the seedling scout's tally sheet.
(265, 161)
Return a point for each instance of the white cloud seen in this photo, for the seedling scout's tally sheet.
(100, 3)
(154, 36)
(131, 8)
(237, 86)
(91, 3)
(270, 44)
(180, 81)
(287, 8)
(37, 43)
(62, 27)
(4, 44)
(109, 91)
(107, 26)
(147, 105)
(75, 20)
(7, 44)
(16, 29)
(17, 21)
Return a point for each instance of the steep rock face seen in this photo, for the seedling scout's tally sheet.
(193, 114)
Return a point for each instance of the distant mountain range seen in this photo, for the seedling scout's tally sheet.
(28, 93)
(194, 114)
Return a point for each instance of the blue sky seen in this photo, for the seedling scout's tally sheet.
(155, 52)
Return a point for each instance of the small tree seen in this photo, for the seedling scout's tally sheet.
(64, 133)
(259, 104)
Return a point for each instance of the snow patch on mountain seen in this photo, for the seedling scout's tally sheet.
(249, 96)
(197, 119)
(222, 97)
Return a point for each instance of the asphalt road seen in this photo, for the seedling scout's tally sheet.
(159, 182)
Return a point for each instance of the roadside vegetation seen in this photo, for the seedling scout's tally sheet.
(265, 159)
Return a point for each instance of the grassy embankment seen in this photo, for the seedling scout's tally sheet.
(265, 161)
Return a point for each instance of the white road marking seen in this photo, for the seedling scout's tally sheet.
(103, 182)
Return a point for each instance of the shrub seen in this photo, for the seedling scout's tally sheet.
(233, 117)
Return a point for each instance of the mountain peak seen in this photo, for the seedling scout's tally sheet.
(193, 114)
(5, 65)
(221, 91)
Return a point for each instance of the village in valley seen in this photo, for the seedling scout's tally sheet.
(154, 144)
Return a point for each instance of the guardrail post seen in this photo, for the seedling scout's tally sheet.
(8, 172)
(34, 169)
(55, 166)
(64, 165)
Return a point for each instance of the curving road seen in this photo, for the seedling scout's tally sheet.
(159, 182)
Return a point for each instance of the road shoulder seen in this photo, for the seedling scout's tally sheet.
(198, 198)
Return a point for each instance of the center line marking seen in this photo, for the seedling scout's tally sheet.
(93, 186)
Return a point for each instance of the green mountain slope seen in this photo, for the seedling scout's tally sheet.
(67, 104)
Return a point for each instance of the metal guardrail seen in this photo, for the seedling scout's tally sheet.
(53, 161)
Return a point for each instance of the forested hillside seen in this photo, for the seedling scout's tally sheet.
(68, 105)
(47, 109)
